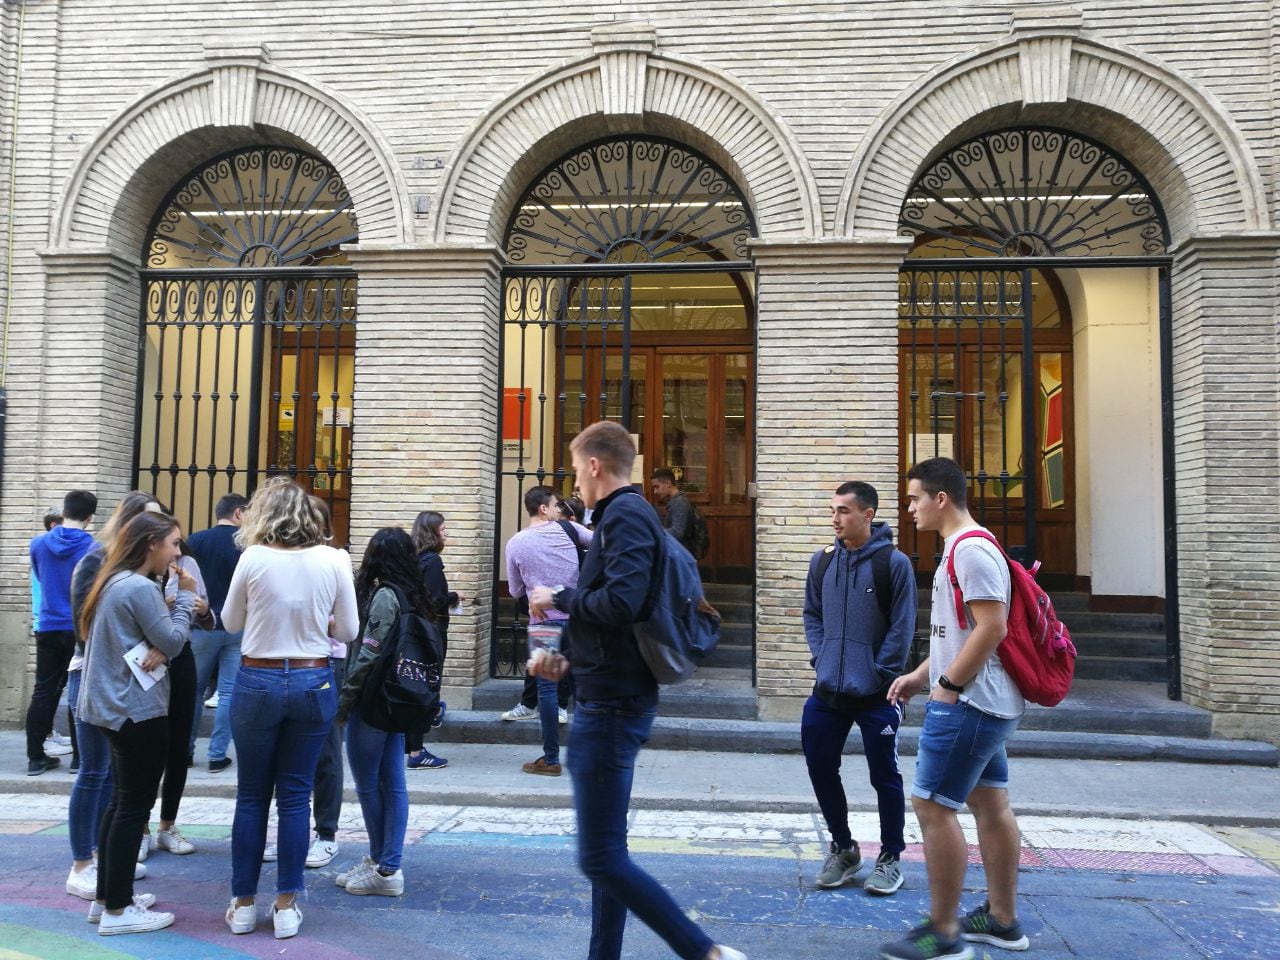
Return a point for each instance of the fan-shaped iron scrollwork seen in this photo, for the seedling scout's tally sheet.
(260, 207)
(630, 199)
(1035, 192)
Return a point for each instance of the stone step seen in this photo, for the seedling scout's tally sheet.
(676, 732)
(1089, 621)
(1147, 669)
(1149, 645)
(718, 593)
(730, 655)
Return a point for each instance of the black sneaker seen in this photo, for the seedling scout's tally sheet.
(217, 766)
(979, 926)
(44, 765)
(927, 943)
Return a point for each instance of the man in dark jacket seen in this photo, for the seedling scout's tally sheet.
(54, 556)
(617, 696)
(859, 618)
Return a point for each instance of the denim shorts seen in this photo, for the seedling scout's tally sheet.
(961, 747)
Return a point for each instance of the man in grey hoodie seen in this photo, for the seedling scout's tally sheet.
(859, 618)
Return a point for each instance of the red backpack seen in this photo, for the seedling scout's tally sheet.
(1037, 651)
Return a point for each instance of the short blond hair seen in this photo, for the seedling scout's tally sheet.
(282, 512)
(609, 443)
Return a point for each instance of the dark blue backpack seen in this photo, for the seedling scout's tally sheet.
(675, 633)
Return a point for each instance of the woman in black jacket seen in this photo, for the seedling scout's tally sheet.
(429, 537)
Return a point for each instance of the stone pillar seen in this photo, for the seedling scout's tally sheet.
(426, 419)
(827, 411)
(1227, 449)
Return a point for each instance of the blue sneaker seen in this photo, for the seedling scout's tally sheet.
(426, 761)
(438, 719)
(927, 943)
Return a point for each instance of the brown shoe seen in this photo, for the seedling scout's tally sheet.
(542, 768)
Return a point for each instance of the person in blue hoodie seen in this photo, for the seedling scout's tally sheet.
(859, 619)
(54, 556)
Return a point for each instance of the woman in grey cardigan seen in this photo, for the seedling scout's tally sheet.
(126, 609)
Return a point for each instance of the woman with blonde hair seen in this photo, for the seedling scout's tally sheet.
(289, 594)
(125, 610)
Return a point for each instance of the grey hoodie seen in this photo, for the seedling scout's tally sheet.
(854, 651)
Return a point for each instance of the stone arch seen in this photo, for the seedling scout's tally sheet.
(169, 130)
(627, 86)
(1175, 132)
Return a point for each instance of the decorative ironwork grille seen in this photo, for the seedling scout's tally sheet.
(630, 199)
(549, 323)
(968, 391)
(261, 207)
(213, 344)
(1035, 192)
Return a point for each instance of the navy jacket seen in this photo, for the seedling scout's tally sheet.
(844, 625)
(437, 589)
(613, 586)
(216, 552)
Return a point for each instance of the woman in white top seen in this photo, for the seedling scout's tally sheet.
(288, 588)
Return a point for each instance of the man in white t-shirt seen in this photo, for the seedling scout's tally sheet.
(973, 709)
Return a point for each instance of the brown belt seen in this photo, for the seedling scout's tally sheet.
(290, 663)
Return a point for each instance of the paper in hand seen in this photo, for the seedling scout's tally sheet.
(146, 678)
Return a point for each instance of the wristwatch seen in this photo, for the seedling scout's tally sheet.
(945, 683)
(555, 595)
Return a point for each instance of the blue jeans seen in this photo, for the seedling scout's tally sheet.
(92, 790)
(823, 732)
(279, 719)
(377, 765)
(223, 648)
(607, 736)
(960, 748)
(549, 718)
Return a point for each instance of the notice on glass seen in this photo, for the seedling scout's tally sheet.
(146, 678)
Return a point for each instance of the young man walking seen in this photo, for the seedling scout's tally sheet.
(216, 552)
(545, 554)
(617, 697)
(859, 618)
(54, 556)
(973, 709)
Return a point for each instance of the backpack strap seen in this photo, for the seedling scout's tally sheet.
(824, 562)
(567, 527)
(961, 616)
(880, 561)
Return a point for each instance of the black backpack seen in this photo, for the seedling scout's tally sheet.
(401, 692)
(699, 536)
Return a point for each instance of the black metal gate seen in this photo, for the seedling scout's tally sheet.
(245, 375)
(968, 392)
(566, 342)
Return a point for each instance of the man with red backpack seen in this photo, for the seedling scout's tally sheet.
(973, 708)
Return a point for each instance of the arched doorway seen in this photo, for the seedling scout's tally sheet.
(630, 297)
(987, 341)
(248, 335)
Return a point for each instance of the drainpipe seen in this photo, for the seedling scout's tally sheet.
(8, 256)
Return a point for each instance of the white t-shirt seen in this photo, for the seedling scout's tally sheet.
(983, 575)
(282, 600)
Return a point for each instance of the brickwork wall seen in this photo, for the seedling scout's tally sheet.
(397, 92)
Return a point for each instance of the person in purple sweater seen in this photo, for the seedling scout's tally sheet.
(546, 553)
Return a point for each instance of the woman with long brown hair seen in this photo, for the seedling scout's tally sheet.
(289, 586)
(429, 538)
(125, 610)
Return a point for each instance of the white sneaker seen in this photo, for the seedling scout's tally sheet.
(148, 844)
(373, 884)
(564, 716)
(56, 737)
(174, 842)
(241, 919)
(133, 919)
(321, 852)
(349, 874)
(212, 702)
(142, 900)
(139, 871)
(520, 712)
(270, 853)
(83, 884)
(728, 953)
(287, 921)
(56, 746)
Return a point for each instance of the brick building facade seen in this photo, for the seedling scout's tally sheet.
(437, 117)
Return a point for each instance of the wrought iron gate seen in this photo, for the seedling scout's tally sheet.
(566, 342)
(245, 375)
(969, 389)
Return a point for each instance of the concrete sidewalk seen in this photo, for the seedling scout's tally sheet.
(489, 774)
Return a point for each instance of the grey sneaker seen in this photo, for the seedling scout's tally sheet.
(979, 926)
(886, 878)
(520, 712)
(840, 866)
